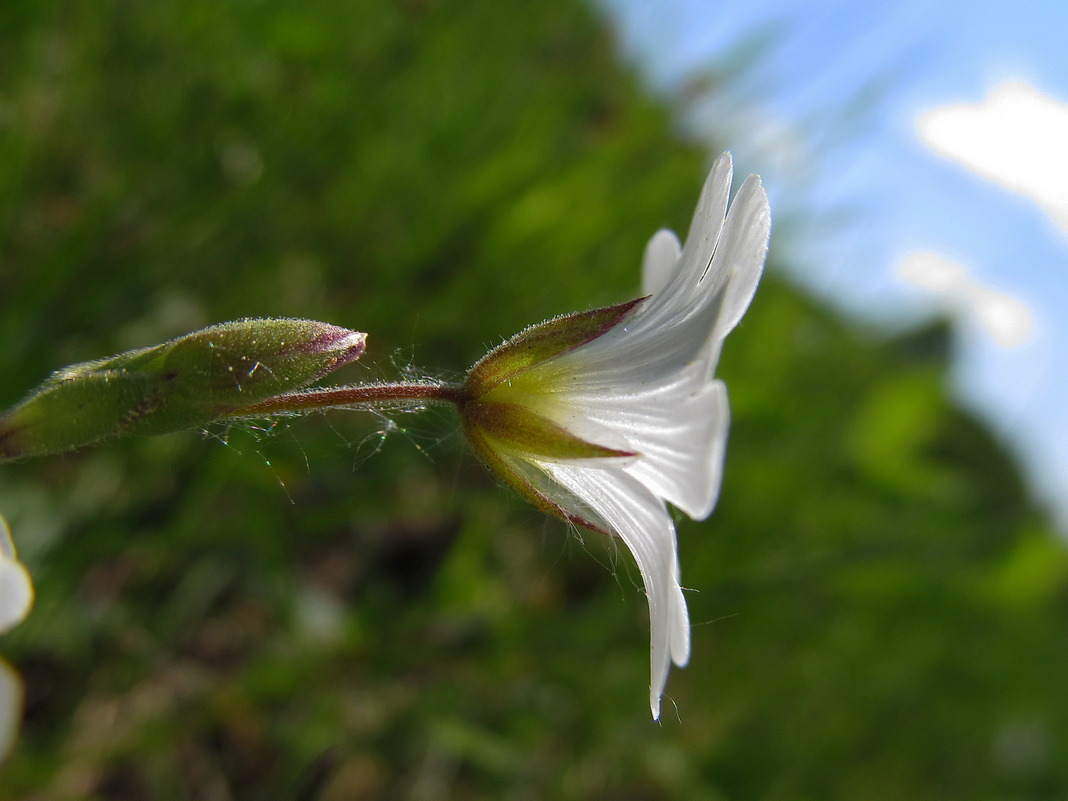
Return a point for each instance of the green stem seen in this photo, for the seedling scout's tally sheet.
(368, 395)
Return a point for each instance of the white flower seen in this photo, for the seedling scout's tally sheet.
(16, 588)
(16, 598)
(606, 416)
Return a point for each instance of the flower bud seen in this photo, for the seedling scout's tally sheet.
(187, 382)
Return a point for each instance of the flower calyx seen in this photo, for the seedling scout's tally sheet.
(512, 403)
(539, 343)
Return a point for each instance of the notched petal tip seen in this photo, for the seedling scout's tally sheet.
(709, 214)
(741, 254)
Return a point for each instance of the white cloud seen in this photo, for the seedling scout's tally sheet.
(1015, 137)
(1007, 319)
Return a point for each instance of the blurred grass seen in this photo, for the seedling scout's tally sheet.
(346, 606)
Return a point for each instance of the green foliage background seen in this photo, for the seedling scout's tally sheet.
(348, 607)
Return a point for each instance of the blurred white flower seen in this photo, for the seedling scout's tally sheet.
(16, 588)
(604, 417)
(16, 598)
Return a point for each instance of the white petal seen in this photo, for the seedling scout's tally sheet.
(678, 429)
(740, 255)
(16, 587)
(707, 222)
(678, 298)
(682, 460)
(660, 262)
(642, 522)
(704, 294)
(534, 474)
(649, 349)
(10, 707)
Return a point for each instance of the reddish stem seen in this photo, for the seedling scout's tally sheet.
(347, 397)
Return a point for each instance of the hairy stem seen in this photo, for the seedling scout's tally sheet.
(365, 396)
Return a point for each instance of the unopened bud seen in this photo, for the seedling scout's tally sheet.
(187, 382)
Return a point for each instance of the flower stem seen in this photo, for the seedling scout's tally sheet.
(364, 396)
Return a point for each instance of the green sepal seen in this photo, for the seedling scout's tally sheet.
(523, 431)
(187, 382)
(505, 470)
(541, 342)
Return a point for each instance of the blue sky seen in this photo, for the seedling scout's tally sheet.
(825, 105)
